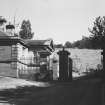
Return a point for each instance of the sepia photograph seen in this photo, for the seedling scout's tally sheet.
(52, 52)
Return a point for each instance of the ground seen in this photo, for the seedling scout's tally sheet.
(84, 91)
(12, 83)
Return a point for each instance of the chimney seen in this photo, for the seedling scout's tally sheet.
(2, 23)
(10, 29)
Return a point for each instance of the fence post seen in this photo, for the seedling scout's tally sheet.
(70, 69)
(63, 64)
(103, 53)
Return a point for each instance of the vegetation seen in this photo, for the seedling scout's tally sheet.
(68, 44)
(95, 40)
(84, 43)
(58, 45)
(26, 31)
(98, 32)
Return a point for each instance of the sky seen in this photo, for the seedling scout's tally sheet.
(61, 20)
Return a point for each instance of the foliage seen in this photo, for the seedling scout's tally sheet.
(97, 37)
(98, 32)
(68, 44)
(76, 44)
(58, 46)
(26, 31)
(85, 43)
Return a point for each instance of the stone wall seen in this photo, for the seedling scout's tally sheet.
(7, 68)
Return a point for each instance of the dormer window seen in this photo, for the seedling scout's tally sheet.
(10, 26)
(10, 29)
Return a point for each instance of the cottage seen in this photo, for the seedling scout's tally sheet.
(23, 58)
(42, 50)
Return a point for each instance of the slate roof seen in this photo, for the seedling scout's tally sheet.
(38, 42)
(46, 45)
(5, 39)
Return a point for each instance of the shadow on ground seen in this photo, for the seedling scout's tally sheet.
(78, 92)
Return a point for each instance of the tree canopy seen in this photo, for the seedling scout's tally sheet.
(97, 36)
(26, 31)
(98, 32)
(68, 44)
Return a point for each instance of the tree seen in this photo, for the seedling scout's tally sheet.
(26, 31)
(98, 32)
(68, 44)
(85, 43)
(76, 44)
(58, 46)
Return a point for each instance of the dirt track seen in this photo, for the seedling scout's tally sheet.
(79, 92)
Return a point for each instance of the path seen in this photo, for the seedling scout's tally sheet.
(79, 92)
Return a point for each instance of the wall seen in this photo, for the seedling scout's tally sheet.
(6, 68)
(25, 57)
(83, 59)
(16, 53)
(5, 53)
(20, 62)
